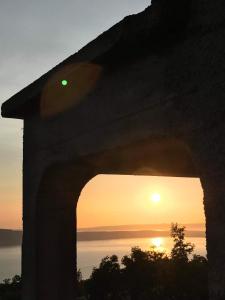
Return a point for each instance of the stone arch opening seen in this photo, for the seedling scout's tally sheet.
(114, 206)
(54, 270)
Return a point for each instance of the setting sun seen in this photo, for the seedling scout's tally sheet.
(155, 197)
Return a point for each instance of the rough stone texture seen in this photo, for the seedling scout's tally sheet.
(146, 97)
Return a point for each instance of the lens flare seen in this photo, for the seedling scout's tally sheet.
(69, 86)
(64, 82)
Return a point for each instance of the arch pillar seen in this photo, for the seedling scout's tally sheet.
(210, 153)
(214, 203)
(53, 271)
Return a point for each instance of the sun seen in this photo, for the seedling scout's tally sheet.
(155, 197)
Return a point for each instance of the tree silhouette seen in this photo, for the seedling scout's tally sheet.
(180, 250)
(104, 282)
(142, 275)
(152, 275)
(10, 289)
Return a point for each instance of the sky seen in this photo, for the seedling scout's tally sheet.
(126, 200)
(35, 36)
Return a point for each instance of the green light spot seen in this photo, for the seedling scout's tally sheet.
(64, 82)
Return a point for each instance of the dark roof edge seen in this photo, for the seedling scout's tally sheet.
(160, 25)
(14, 106)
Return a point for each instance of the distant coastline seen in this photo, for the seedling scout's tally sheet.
(10, 238)
(143, 227)
(115, 235)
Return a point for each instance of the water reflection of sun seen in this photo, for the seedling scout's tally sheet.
(157, 243)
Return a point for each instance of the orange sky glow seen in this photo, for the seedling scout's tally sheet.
(119, 200)
(122, 200)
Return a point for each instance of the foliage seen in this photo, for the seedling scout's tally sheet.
(105, 280)
(142, 275)
(181, 250)
(145, 275)
(10, 289)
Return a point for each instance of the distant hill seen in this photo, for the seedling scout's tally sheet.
(112, 235)
(10, 237)
(14, 237)
(141, 227)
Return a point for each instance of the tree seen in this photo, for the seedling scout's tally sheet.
(10, 289)
(180, 250)
(151, 274)
(141, 276)
(104, 282)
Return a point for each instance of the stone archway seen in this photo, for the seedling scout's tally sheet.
(51, 193)
(170, 88)
(51, 270)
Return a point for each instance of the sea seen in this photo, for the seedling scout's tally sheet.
(90, 253)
